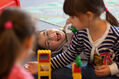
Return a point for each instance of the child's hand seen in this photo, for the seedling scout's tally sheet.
(32, 67)
(44, 67)
(102, 71)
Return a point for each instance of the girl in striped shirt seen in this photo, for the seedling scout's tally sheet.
(97, 38)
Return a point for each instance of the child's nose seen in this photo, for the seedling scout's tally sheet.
(53, 36)
(69, 20)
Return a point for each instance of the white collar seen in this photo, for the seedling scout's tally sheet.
(100, 40)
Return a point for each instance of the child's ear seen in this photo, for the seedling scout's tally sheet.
(90, 15)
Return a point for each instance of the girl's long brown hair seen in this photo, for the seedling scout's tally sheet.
(12, 39)
(75, 7)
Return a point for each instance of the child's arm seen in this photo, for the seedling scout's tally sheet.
(69, 55)
(112, 69)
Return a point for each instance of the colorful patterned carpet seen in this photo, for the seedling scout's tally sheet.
(52, 12)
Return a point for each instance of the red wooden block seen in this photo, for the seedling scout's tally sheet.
(76, 69)
(44, 57)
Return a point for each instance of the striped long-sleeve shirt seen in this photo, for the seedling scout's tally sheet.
(82, 43)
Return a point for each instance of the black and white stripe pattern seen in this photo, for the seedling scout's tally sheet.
(81, 44)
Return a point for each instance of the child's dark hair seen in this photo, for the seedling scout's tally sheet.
(36, 45)
(11, 39)
(74, 7)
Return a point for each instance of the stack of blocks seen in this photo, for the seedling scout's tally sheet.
(44, 59)
(76, 69)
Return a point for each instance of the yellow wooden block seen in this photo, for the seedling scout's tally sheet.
(44, 61)
(76, 75)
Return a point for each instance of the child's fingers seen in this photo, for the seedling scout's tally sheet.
(102, 67)
(98, 72)
(33, 67)
(103, 71)
(26, 66)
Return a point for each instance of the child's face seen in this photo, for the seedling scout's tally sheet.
(51, 38)
(79, 22)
